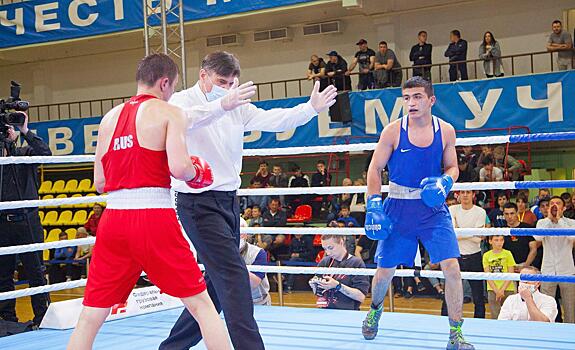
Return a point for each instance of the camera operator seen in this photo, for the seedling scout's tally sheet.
(21, 226)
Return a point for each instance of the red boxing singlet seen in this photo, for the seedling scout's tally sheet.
(128, 165)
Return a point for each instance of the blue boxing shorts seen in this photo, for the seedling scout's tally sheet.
(412, 220)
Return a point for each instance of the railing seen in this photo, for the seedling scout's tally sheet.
(525, 63)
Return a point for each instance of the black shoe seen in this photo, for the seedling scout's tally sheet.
(440, 295)
(420, 287)
(407, 294)
(466, 300)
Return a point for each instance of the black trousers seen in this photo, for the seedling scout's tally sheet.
(14, 233)
(453, 68)
(211, 221)
(472, 263)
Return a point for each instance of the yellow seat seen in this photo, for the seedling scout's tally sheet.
(80, 217)
(84, 185)
(92, 188)
(45, 187)
(80, 205)
(50, 218)
(48, 196)
(53, 235)
(71, 186)
(45, 234)
(58, 187)
(71, 233)
(41, 215)
(65, 218)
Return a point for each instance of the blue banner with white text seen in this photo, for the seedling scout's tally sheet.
(40, 21)
(537, 103)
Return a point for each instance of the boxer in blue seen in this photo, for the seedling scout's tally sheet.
(415, 148)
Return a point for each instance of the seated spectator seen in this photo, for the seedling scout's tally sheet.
(529, 304)
(498, 260)
(262, 175)
(321, 178)
(490, 51)
(256, 200)
(278, 248)
(259, 283)
(92, 224)
(275, 216)
(496, 216)
(298, 179)
(365, 249)
(466, 172)
(357, 205)
(365, 57)
(486, 150)
(338, 200)
(543, 193)
(489, 172)
(340, 291)
(437, 283)
(61, 272)
(541, 210)
(256, 218)
(345, 218)
(569, 209)
(316, 72)
(278, 178)
(506, 162)
(247, 214)
(525, 215)
(472, 158)
(83, 253)
(335, 69)
(349, 239)
(387, 68)
(523, 248)
(263, 241)
(300, 250)
(558, 257)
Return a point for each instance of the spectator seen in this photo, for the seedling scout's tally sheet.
(387, 68)
(340, 199)
(256, 217)
(543, 193)
(496, 216)
(300, 250)
(350, 242)
(365, 249)
(466, 172)
(529, 304)
(275, 216)
(542, 209)
(468, 215)
(335, 69)
(457, 51)
(498, 260)
(253, 255)
(256, 200)
(523, 248)
(437, 283)
(92, 224)
(263, 241)
(470, 155)
(365, 57)
(560, 41)
(420, 55)
(486, 150)
(489, 172)
(506, 162)
(278, 178)
(61, 272)
(278, 248)
(247, 214)
(316, 72)
(344, 216)
(490, 51)
(523, 213)
(262, 175)
(299, 179)
(569, 210)
(340, 291)
(83, 253)
(321, 179)
(558, 257)
(357, 205)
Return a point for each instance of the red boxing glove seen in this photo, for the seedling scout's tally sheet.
(204, 176)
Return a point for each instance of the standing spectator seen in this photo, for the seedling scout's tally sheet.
(275, 216)
(256, 216)
(300, 250)
(560, 41)
(498, 260)
(92, 224)
(457, 51)
(316, 72)
(489, 172)
(496, 216)
(529, 304)
(558, 257)
(262, 175)
(523, 213)
(468, 215)
(490, 51)
(420, 54)
(386, 74)
(523, 248)
(335, 69)
(254, 255)
(345, 292)
(365, 57)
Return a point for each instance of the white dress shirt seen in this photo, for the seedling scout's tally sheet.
(468, 218)
(557, 250)
(515, 309)
(218, 136)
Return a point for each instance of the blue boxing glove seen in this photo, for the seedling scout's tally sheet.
(434, 189)
(377, 224)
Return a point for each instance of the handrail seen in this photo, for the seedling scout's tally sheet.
(98, 107)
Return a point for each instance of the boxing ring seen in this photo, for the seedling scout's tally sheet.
(307, 328)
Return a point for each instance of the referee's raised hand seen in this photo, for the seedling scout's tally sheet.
(321, 101)
(238, 95)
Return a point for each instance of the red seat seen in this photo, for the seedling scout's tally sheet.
(317, 241)
(302, 214)
(319, 256)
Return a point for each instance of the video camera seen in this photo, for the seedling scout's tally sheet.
(15, 118)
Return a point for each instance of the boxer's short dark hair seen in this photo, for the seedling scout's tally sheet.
(418, 81)
(222, 63)
(154, 67)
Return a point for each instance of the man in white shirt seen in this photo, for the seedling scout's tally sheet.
(558, 256)
(489, 172)
(210, 216)
(529, 304)
(468, 215)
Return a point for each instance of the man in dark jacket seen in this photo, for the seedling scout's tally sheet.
(335, 69)
(457, 51)
(420, 54)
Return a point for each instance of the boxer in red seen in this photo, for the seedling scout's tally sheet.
(140, 143)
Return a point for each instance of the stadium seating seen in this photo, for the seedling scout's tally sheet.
(50, 218)
(58, 187)
(71, 233)
(45, 187)
(302, 215)
(80, 217)
(85, 185)
(71, 186)
(65, 218)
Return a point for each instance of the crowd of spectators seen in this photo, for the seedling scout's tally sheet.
(382, 69)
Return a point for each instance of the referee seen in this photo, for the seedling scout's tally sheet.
(211, 216)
